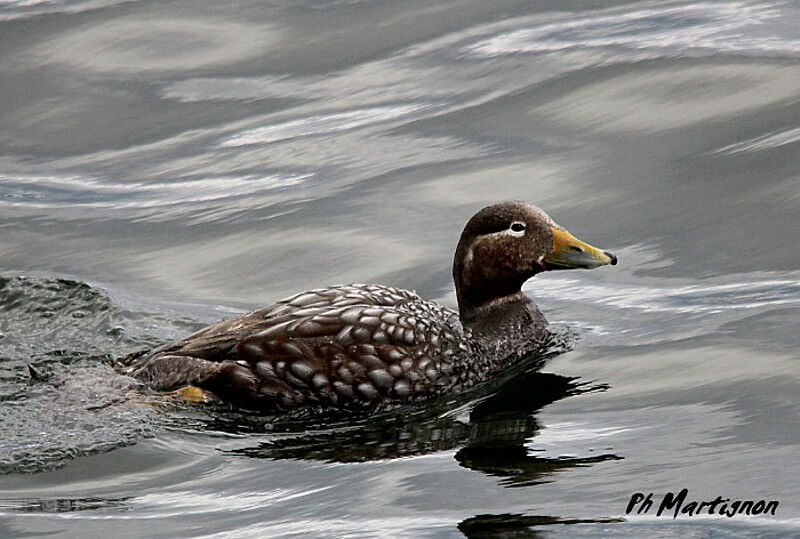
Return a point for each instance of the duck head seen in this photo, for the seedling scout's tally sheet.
(504, 245)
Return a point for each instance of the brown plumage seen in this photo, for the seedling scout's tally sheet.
(359, 346)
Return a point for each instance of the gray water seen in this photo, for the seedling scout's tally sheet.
(165, 165)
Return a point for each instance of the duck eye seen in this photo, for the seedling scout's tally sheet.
(517, 227)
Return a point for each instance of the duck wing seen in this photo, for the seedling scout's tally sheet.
(217, 341)
(348, 346)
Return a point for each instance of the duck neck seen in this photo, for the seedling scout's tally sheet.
(480, 289)
(488, 292)
(505, 327)
(482, 302)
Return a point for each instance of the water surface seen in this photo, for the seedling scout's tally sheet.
(163, 166)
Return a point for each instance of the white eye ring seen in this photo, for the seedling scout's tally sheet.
(517, 228)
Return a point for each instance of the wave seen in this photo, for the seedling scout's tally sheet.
(86, 192)
(715, 27)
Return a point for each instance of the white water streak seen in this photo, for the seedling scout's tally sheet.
(769, 141)
(713, 26)
(320, 124)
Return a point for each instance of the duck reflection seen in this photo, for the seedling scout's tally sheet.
(503, 423)
(491, 432)
(515, 525)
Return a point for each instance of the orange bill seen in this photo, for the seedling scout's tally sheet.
(569, 253)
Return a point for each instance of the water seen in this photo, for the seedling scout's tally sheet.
(167, 165)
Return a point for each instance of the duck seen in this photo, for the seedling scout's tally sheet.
(363, 347)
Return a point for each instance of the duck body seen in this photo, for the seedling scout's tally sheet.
(361, 347)
(345, 347)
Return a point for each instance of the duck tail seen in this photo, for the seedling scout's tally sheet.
(35, 374)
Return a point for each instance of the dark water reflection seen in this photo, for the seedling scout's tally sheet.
(489, 433)
(166, 165)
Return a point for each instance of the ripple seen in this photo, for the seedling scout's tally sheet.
(180, 503)
(78, 405)
(85, 414)
(715, 27)
(142, 43)
(680, 299)
(17, 9)
(644, 310)
(79, 191)
(23, 3)
(654, 100)
(386, 526)
(769, 141)
(321, 124)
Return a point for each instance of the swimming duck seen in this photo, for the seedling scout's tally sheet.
(357, 347)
